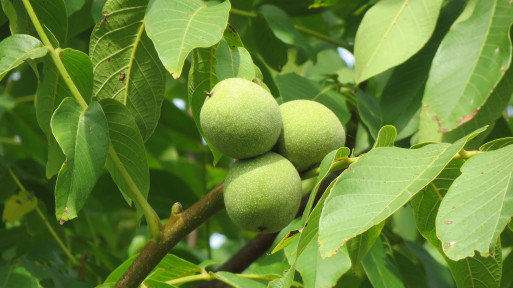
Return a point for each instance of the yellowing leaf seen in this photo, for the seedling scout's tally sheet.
(19, 205)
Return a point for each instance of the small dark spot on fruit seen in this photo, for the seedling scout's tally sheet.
(261, 228)
(18, 201)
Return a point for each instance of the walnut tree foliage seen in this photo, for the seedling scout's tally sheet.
(100, 138)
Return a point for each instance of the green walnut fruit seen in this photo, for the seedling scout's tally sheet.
(310, 131)
(240, 118)
(262, 193)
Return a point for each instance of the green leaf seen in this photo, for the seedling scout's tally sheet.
(359, 246)
(380, 269)
(18, 205)
(73, 6)
(490, 111)
(52, 90)
(478, 205)
(318, 272)
(376, 186)
(469, 272)
(126, 65)
(293, 87)
(15, 49)
(16, 276)
(283, 28)
(391, 32)
(51, 13)
(202, 77)
(233, 62)
(173, 267)
(128, 144)
(401, 100)
(272, 50)
(84, 138)
(386, 137)
(496, 144)
(368, 109)
(469, 63)
(177, 27)
(237, 281)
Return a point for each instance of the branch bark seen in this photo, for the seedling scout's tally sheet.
(178, 226)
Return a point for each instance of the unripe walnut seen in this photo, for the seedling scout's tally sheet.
(240, 118)
(262, 193)
(310, 131)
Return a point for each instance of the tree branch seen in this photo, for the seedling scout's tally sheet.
(178, 226)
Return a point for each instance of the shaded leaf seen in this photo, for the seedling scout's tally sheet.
(319, 272)
(128, 145)
(18, 205)
(50, 13)
(376, 186)
(293, 87)
(126, 65)
(478, 205)
(359, 246)
(391, 32)
(84, 138)
(283, 28)
(469, 63)
(368, 109)
(177, 27)
(272, 50)
(15, 49)
(202, 77)
(52, 90)
(380, 269)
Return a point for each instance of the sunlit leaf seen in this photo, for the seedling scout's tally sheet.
(391, 32)
(469, 272)
(126, 65)
(478, 205)
(376, 186)
(469, 63)
(15, 49)
(177, 27)
(233, 62)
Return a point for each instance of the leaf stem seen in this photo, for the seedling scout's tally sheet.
(151, 216)
(464, 154)
(15, 178)
(342, 163)
(54, 54)
(57, 238)
(300, 28)
(42, 215)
